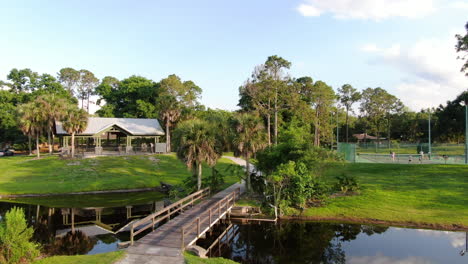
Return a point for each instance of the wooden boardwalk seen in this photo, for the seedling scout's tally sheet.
(166, 243)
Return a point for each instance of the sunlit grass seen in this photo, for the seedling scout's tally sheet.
(26, 175)
(436, 194)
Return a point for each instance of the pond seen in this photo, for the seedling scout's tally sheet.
(103, 222)
(321, 242)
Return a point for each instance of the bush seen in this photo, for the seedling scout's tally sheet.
(347, 184)
(15, 238)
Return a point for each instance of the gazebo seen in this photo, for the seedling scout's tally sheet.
(108, 135)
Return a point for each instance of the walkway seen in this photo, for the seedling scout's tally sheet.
(164, 244)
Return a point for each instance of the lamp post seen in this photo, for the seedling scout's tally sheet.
(465, 103)
(429, 126)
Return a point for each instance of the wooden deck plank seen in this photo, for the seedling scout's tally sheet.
(166, 240)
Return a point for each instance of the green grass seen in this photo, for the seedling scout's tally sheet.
(105, 258)
(192, 259)
(93, 200)
(26, 175)
(434, 194)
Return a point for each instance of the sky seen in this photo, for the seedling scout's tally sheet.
(403, 46)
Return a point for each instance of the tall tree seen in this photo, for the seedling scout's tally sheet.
(197, 144)
(377, 105)
(173, 96)
(86, 87)
(250, 138)
(348, 96)
(75, 121)
(69, 78)
(24, 80)
(322, 99)
(134, 96)
(275, 66)
(462, 47)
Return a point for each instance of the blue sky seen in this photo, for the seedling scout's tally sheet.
(404, 46)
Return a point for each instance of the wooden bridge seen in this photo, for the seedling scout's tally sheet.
(188, 219)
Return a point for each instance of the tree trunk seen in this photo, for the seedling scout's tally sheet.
(29, 144)
(276, 117)
(87, 103)
(199, 176)
(168, 138)
(269, 129)
(73, 145)
(49, 140)
(347, 126)
(37, 147)
(248, 183)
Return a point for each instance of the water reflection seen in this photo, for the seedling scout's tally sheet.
(99, 229)
(83, 229)
(312, 242)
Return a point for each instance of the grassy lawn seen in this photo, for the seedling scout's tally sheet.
(105, 258)
(93, 200)
(192, 259)
(434, 194)
(26, 175)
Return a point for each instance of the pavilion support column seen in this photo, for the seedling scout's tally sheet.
(128, 149)
(73, 220)
(98, 148)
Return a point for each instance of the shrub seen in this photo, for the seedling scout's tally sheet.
(15, 238)
(347, 184)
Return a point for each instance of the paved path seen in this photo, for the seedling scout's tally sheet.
(164, 244)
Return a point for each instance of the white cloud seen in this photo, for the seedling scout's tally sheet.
(379, 259)
(457, 239)
(430, 71)
(367, 9)
(460, 5)
(308, 10)
(370, 47)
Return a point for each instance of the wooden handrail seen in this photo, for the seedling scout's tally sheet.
(226, 202)
(151, 220)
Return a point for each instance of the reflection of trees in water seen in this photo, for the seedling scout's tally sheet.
(43, 233)
(295, 242)
(107, 238)
(72, 244)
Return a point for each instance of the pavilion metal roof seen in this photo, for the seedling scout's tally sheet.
(133, 126)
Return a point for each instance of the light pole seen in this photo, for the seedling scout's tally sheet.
(429, 125)
(465, 103)
(337, 127)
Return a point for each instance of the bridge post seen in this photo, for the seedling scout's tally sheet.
(131, 236)
(183, 238)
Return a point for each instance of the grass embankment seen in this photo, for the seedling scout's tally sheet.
(192, 259)
(26, 175)
(431, 195)
(105, 258)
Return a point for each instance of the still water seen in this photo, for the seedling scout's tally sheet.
(104, 225)
(315, 242)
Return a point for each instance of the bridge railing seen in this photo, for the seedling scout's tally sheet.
(215, 212)
(151, 220)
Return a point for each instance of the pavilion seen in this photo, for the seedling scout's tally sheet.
(108, 135)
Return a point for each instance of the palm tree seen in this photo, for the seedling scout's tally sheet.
(25, 123)
(53, 108)
(32, 121)
(197, 144)
(75, 121)
(249, 139)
